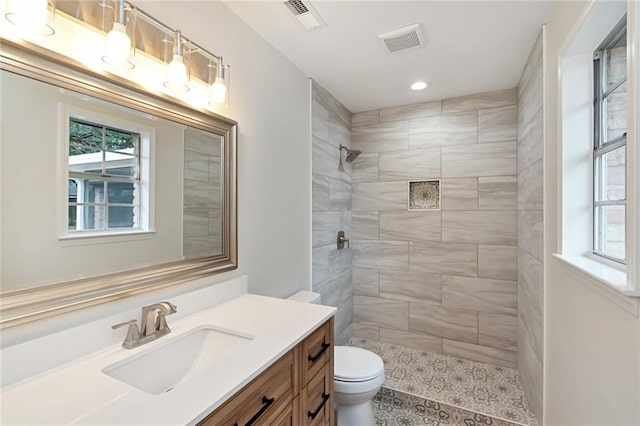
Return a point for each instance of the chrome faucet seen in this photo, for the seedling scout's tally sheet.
(154, 325)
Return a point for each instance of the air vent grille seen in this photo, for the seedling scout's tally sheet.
(405, 38)
(297, 7)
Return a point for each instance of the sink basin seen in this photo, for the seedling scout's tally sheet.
(159, 370)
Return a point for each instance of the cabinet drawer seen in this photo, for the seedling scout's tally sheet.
(316, 399)
(288, 416)
(261, 400)
(315, 351)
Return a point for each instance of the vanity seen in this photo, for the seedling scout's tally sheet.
(251, 360)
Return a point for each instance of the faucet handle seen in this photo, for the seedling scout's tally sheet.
(161, 322)
(133, 334)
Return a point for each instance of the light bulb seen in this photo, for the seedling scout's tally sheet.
(176, 73)
(118, 46)
(32, 16)
(218, 91)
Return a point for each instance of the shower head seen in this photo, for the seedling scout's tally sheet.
(352, 154)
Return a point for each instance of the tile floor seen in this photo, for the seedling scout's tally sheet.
(394, 408)
(474, 386)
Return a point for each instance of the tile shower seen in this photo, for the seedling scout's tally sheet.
(462, 281)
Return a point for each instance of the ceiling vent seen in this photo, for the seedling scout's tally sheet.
(401, 39)
(305, 14)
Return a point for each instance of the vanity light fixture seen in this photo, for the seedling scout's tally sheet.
(220, 86)
(33, 16)
(177, 70)
(419, 85)
(118, 54)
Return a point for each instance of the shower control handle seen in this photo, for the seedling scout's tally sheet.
(342, 240)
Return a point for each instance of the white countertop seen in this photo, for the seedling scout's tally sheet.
(79, 393)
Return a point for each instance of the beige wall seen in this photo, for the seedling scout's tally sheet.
(331, 127)
(442, 281)
(530, 224)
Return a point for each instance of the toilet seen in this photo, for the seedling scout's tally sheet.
(358, 376)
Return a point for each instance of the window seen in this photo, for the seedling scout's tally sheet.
(104, 181)
(610, 139)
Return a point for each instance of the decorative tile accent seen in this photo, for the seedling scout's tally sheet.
(424, 195)
(452, 383)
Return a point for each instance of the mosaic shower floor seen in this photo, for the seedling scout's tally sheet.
(482, 388)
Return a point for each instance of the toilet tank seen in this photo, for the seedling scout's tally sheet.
(307, 297)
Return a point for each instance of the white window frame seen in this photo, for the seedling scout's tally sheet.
(147, 176)
(602, 145)
(574, 246)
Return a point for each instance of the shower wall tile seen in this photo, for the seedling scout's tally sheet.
(498, 330)
(479, 353)
(498, 193)
(331, 204)
(407, 112)
(381, 312)
(196, 166)
(321, 95)
(380, 196)
(485, 159)
(392, 136)
(325, 160)
(443, 130)
(480, 294)
(366, 331)
(411, 340)
(365, 282)
(410, 286)
(320, 121)
(480, 101)
(392, 255)
(365, 225)
(365, 168)
(530, 142)
(411, 226)
(339, 195)
(455, 270)
(444, 258)
(339, 131)
(437, 320)
(530, 232)
(498, 124)
(488, 227)
(500, 262)
(459, 194)
(530, 184)
(320, 192)
(365, 118)
(406, 165)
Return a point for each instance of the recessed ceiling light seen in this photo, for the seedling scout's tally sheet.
(419, 85)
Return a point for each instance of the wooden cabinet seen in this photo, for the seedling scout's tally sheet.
(295, 390)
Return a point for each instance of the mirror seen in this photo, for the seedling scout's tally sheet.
(106, 192)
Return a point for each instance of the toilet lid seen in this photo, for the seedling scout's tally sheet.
(356, 364)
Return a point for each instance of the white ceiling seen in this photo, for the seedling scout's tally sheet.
(471, 47)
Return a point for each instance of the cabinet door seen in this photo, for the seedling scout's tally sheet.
(317, 399)
(316, 350)
(287, 417)
(261, 399)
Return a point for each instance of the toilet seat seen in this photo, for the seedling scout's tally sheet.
(356, 365)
